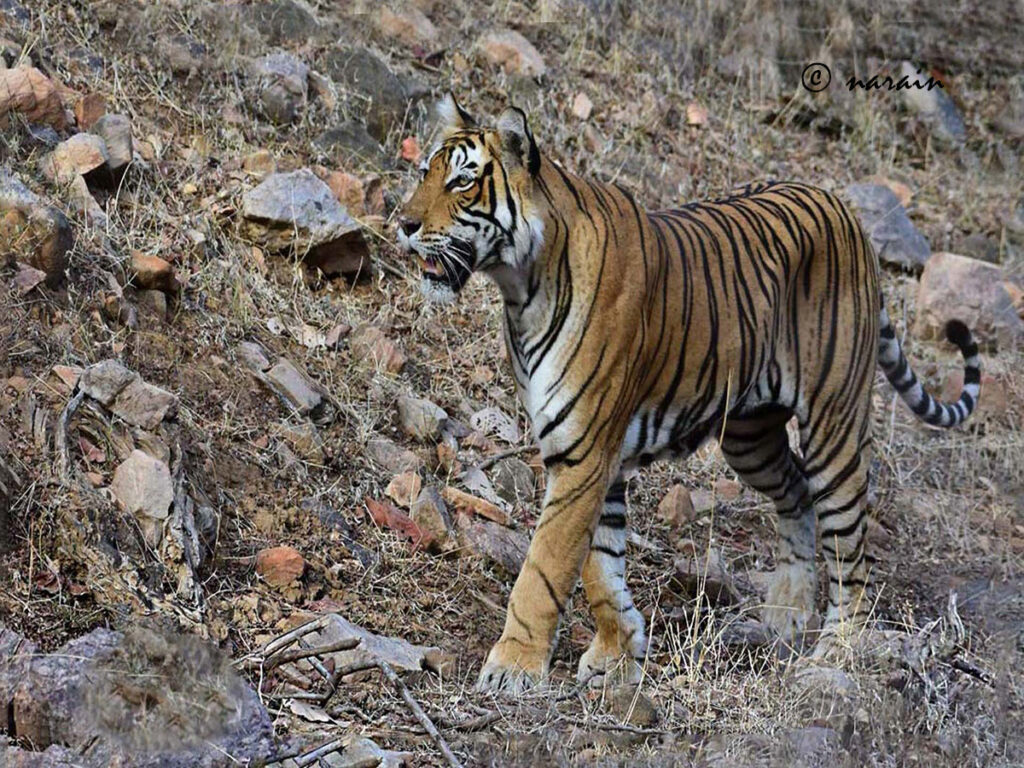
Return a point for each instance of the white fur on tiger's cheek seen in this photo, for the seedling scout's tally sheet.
(437, 293)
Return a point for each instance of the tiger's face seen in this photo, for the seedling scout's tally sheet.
(472, 210)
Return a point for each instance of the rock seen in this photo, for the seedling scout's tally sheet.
(260, 163)
(352, 143)
(116, 132)
(110, 691)
(515, 481)
(293, 386)
(893, 236)
(728, 490)
(513, 52)
(348, 190)
(408, 25)
(403, 656)
(676, 508)
(68, 375)
(494, 422)
(404, 489)
(280, 566)
(582, 106)
(144, 405)
(369, 343)
(703, 501)
(993, 400)
(143, 487)
(153, 273)
(105, 380)
(360, 71)
(902, 191)
(304, 439)
(182, 54)
(89, 109)
(703, 576)
(285, 22)
(410, 151)
(33, 94)
(814, 745)
(283, 86)
(630, 705)
(501, 545)
(31, 232)
(934, 105)
(980, 246)
(253, 356)
(696, 114)
(956, 287)
(392, 457)
(27, 278)
(154, 302)
(84, 154)
(297, 212)
(430, 513)
(360, 752)
(470, 504)
(421, 419)
(823, 689)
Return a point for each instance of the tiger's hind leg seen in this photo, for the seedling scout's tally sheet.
(757, 448)
(618, 647)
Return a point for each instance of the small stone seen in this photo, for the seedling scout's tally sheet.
(369, 343)
(514, 481)
(513, 52)
(182, 54)
(934, 105)
(421, 419)
(253, 356)
(980, 246)
(353, 143)
(153, 273)
(283, 84)
(696, 114)
(116, 132)
(336, 334)
(955, 287)
(582, 106)
(703, 576)
(501, 545)
(68, 375)
(470, 504)
(105, 380)
(408, 25)
(81, 155)
(391, 456)
(293, 386)
(32, 232)
(143, 405)
(632, 706)
(155, 302)
(89, 109)
(143, 486)
(676, 508)
(728, 490)
(902, 191)
(892, 234)
(260, 163)
(27, 278)
(447, 458)
(359, 70)
(703, 501)
(411, 150)
(280, 566)
(33, 94)
(404, 488)
(285, 22)
(430, 513)
(304, 439)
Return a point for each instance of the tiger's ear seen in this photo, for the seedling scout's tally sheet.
(517, 139)
(452, 117)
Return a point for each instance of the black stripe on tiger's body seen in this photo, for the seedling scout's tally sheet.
(636, 335)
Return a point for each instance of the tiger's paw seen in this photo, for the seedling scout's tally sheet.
(512, 669)
(615, 662)
(789, 605)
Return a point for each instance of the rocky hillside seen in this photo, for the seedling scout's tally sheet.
(260, 504)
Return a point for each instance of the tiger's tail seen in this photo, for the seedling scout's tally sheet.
(904, 380)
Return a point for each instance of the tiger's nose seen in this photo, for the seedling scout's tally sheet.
(408, 225)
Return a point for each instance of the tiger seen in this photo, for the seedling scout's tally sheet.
(635, 336)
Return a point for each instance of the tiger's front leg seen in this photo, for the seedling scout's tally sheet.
(562, 540)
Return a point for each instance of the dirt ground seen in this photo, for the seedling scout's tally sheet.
(939, 679)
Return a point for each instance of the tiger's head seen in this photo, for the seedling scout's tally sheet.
(473, 209)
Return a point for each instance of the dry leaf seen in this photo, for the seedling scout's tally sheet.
(389, 516)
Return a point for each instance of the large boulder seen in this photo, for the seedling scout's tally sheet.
(892, 234)
(362, 72)
(297, 212)
(955, 287)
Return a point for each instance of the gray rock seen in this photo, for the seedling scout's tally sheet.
(142, 699)
(402, 655)
(296, 210)
(293, 386)
(105, 380)
(352, 144)
(116, 132)
(430, 513)
(934, 106)
(811, 746)
(143, 487)
(391, 456)
(503, 546)
(893, 236)
(253, 356)
(144, 405)
(980, 246)
(284, 22)
(360, 71)
(182, 54)
(283, 86)
(32, 232)
(421, 419)
(514, 481)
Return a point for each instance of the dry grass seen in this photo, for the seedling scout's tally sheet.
(952, 501)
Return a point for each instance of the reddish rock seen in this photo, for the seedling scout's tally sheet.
(501, 545)
(696, 114)
(513, 52)
(411, 150)
(993, 399)
(153, 273)
(676, 508)
(369, 343)
(404, 488)
(89, 109)
(408, 25)
(468, 503)
(348, 189)
(280, 566)
(80, 155)
(391, 456)
(728, 490)
(33, 94)
(430, 513)
(259, 163)
(582, 106)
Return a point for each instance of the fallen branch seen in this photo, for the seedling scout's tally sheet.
(420, 715)
(309, 758)
(297, 654)
(61, 438)
(486, 462)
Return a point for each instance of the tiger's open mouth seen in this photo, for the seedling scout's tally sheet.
(451, 269)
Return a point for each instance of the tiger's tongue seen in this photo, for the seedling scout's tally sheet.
(431, 266)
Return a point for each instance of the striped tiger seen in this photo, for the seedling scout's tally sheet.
(635, 336)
